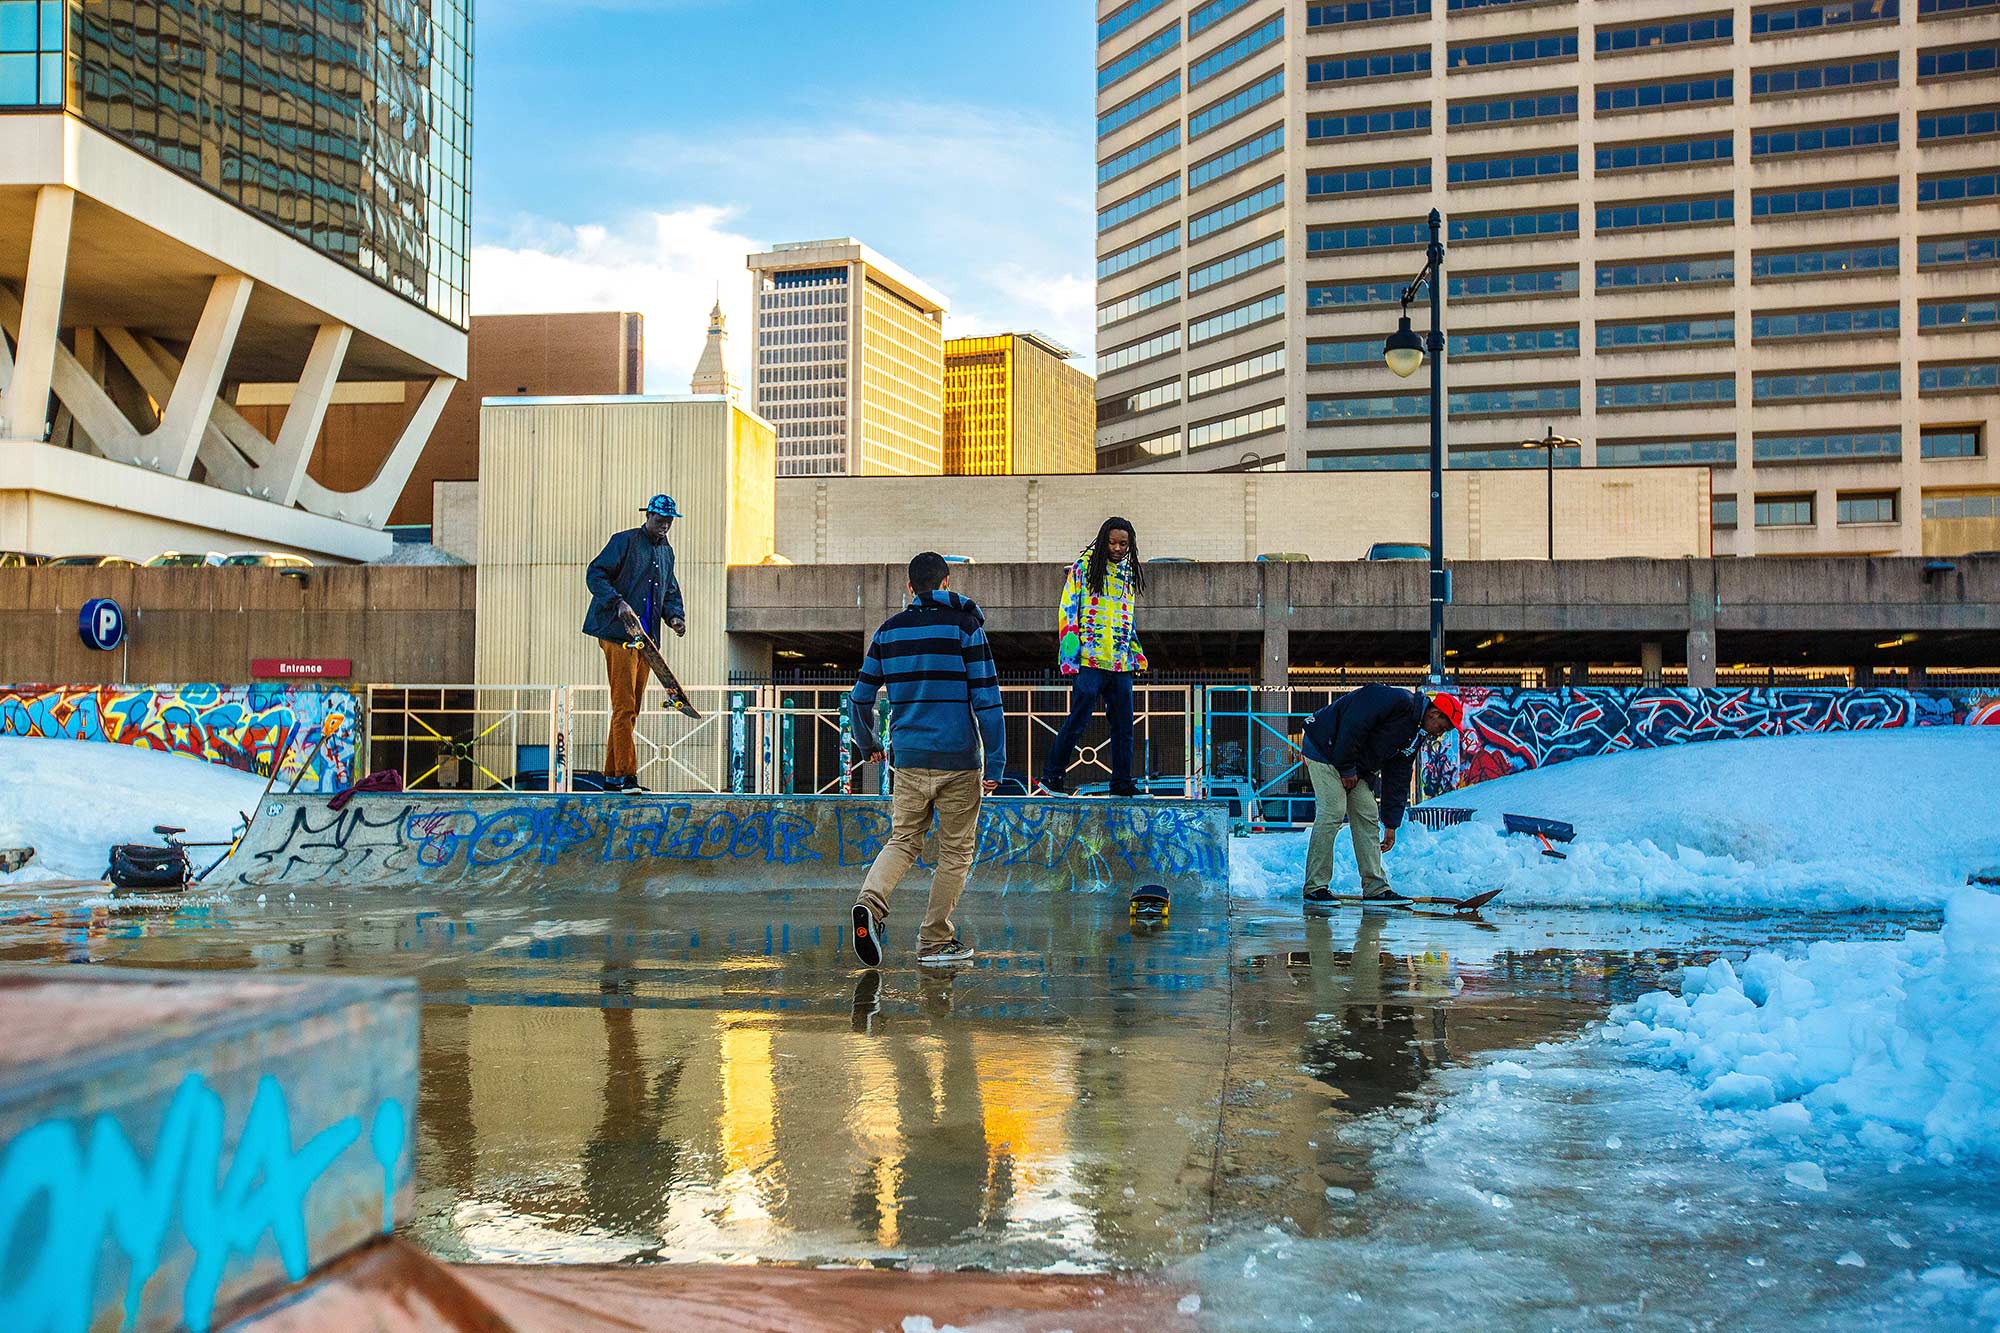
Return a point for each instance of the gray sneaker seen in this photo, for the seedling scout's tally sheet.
(944, 955)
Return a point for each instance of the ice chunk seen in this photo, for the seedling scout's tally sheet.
(1740, 1091)
(1851, 1260)
(1189, 1304)
(1807, 1176)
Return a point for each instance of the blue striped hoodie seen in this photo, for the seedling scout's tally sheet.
(944, 696)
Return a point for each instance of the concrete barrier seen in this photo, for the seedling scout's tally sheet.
(610, 842)
(172, 1145)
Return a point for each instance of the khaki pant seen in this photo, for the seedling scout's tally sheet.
(627, 673)
(954, 797)
(1331, 804)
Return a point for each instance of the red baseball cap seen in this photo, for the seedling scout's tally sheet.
(1453, 710)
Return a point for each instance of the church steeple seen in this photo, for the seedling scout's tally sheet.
(711, 373)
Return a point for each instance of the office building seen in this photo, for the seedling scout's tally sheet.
(1014, 404)
(1756, 236)
(202, 194)
(847, 361)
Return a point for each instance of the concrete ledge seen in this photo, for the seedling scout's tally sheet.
(498, 841)
(172, 1145)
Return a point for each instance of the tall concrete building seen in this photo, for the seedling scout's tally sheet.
(1759, 236)
(208, 193)
(1014, 404)
(847, 361)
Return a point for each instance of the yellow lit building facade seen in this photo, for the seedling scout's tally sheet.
(1014, 405)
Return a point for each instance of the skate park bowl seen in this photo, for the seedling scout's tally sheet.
(648, 842)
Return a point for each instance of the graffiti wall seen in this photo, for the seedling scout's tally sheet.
(250, 727)
(1507, 731)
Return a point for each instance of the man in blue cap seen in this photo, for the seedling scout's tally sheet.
(632, 578)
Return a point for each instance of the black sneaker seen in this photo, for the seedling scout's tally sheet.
(1386, 898)
(949, 954)
(867, 936)
(1124, 789)
(1322, 897)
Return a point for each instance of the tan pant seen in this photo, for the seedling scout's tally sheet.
(627, 673)
(1331, 804)
(954, 797)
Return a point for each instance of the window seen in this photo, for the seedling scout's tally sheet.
(1139, 302)
(1237, 210)
(1242, 317)
(1951, 442)
(1229, 57)
(1633, 38)
(1211, 14)
(1510, 283)
(1364, 11)
(1134, 205)
(1785, 20)
(1497, 170)
(1701, 91)
(1366, 408)
(1514, 400)
(1784, 511)
(1666, 213)
(1511, 51)
(1132, 354)
(1456, 6)
(1152, 247)
(31, 54)
(1721, 510)
(1215, 380)
(1714, 269)
(1139, 155)
(1950, 316)
(1554, 340)
(1236, 104)
(1149, 399)
(1804, 385)
(1327, 352)
(1354, 295)
(1120, 19)
(1379, 65)
(1140, 56)
(1254, 422)
(1939, 126)
(1832, 262)
(1822, 447)
(1716, 451)
(1511, 110)
(1968, 504)
(1512, 226)
(1958, 377)
(1800, 139)
(1705, 151)
(1956, 62)
(1865, 507)
(1345, 462)
(1513, 456)
(1780, 324)
(1640, 335)
(1112, 457)
(1236, 265)
(1367, 124)
(1235, 159)
(1622, 395)
(1161, 93)
(1368, 180)
(1951, 251)
(1383, 236)
(1797, 80)
(1959, 189)
(1940, 8)
(1766, 204)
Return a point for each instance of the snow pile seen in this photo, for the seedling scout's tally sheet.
(1835, 822)
(1892, 1046)
(71, 800)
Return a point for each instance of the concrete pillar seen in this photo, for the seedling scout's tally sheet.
(300, 432)
(24, 404)
(1651, 662)
(1274, 583)
(176, 443)
(372, 504)
(1701, 646)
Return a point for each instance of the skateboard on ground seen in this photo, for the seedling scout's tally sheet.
(677, 698)
(1453, 906)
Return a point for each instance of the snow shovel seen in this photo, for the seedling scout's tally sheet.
(1546, 831)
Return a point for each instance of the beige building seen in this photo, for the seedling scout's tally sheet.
(1761, 237)
(1599, 513)
(711, 370)
(1013, 403)
(847, 361)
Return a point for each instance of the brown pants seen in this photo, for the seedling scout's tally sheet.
(627, 672)
(954, 797)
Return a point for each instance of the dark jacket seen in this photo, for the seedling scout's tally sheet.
(1371, 733)
(633, 568)
(944, 696)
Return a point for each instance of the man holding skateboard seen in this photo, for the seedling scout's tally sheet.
(1359, 751)
(632, 591)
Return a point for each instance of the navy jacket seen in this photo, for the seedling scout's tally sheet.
(1371, 733)
(944, 696)
(633, 568)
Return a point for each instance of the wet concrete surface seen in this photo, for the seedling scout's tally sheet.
(710, 1076)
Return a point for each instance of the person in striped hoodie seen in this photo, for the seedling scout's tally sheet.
(949, 751)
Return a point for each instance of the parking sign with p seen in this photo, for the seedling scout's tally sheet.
(101, 624)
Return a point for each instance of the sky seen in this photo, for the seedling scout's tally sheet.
(627, 154)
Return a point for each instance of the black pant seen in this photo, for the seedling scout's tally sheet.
(1092, 684)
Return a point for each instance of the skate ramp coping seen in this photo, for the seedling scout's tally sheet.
(620, 841)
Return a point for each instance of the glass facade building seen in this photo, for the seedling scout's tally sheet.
(344, 123)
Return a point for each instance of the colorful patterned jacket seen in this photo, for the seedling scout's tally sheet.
(1097, 629)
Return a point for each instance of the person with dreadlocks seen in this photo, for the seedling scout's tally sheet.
(1100, 651)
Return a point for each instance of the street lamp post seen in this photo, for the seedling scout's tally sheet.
(1549, 443)
(1403, 353)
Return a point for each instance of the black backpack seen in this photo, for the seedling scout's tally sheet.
(137, 866)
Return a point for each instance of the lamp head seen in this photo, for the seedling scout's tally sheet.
(1404, 351)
